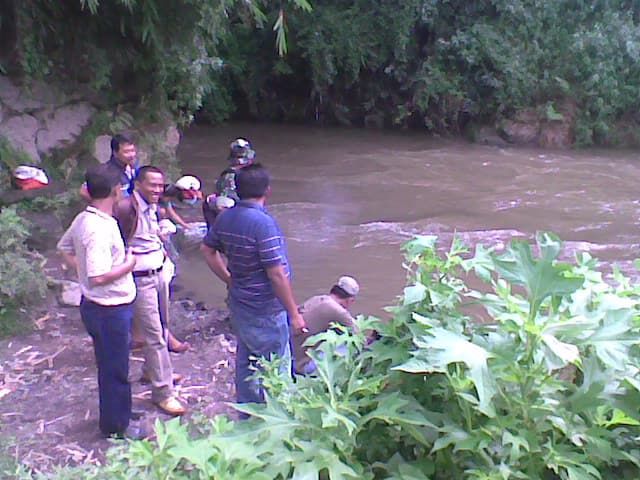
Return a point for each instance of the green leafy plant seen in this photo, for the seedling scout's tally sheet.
(532, 375)
(56, 204)
(10, 159)
(20, 270)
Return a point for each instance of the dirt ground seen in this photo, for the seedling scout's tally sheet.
(48, 383)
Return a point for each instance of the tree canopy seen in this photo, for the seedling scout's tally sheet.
(422, 63)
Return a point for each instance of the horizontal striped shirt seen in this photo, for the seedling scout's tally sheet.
(252, 242)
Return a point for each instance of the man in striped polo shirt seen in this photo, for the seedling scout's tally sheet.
(257, 274)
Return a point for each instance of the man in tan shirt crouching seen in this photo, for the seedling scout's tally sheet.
(319, 313)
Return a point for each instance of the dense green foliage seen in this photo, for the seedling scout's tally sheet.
(425, 63)
(440, 64)
(541, 382)
(20, 270)
(155, 54)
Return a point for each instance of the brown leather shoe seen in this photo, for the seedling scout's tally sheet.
(177, 379)
(172, 406)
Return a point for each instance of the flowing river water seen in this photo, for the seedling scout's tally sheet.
(348, 199)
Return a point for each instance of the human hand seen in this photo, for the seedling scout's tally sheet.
(130, 258)
(298, 323)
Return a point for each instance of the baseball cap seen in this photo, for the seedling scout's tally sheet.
(188, 182)
(349, 285)
(225, 202)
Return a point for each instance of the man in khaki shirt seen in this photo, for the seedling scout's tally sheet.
(319, 313)
(152, 286)
(93, 246)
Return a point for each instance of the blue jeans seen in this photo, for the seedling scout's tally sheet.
(260, 336)
(110, 329)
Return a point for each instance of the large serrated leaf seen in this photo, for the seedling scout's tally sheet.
(541, 277)
(440, 348)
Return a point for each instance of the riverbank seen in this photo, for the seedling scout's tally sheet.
(48, 382)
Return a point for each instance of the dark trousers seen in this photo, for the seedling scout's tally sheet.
(110, 329)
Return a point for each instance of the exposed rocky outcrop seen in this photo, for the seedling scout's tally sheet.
(102, 148)
(20, 131)
(488, 135)
(523, 129)
(62, 125)
(542, 127)
(42, 121)
(39, 119)
(69, 294)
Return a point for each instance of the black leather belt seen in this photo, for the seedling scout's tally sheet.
(147, 273)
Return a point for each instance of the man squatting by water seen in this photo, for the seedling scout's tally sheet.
(241, 155)
(320, 312)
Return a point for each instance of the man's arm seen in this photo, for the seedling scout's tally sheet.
(175, 217)
(282, 288)
(216, 263)
(116, 272)
(70, 260)
(348, 321)
(67, 250)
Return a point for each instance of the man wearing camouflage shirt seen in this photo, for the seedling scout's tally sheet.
(240, 155)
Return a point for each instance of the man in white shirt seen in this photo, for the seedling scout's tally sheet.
(93, 245)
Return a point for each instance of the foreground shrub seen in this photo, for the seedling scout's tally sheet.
(21, 277)
(533, 375)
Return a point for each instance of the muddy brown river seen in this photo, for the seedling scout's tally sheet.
(347, 199)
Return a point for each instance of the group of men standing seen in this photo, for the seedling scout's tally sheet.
(116, 247)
